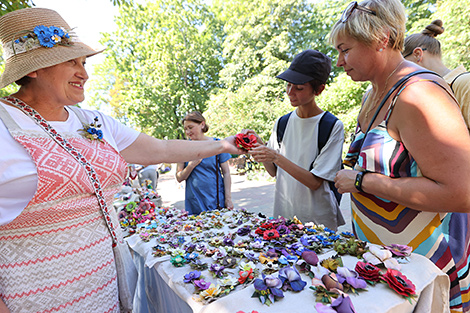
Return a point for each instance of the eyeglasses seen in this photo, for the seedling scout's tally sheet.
(405, 56)
(350, 9)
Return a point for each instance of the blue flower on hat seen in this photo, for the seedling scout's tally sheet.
(44, 36)
(56, 31)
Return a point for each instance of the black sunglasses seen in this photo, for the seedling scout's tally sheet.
(350, 9)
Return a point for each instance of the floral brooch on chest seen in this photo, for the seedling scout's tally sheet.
(92, 131)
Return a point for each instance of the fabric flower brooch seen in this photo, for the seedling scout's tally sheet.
(43, 36)
(244, 141)
(92, 131)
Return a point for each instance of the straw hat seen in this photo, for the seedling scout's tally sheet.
(23, 49)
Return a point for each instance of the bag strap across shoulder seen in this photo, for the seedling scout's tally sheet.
(397, 85)
(61, 141)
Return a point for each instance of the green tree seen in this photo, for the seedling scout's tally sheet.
(8, 6)
(259, 43)
(455, 41)
(161, 63)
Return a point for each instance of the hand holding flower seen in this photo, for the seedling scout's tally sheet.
(245, 141)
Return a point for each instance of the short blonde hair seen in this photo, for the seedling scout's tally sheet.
(389, 22)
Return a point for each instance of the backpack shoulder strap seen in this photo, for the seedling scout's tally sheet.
(281, 127)
(455, 78)
(325, 127)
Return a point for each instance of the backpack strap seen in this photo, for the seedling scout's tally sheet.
(281, 126)
(455, 78)
(325, 127)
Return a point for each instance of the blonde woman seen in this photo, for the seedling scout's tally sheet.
(411, 156)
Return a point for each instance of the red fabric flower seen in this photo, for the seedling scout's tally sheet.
(260, 230)
(270, 234)
(245, 275)
(244, 141)
(399, 282)
(368, 271)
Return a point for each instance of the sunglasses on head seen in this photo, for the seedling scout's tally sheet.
(350, 9)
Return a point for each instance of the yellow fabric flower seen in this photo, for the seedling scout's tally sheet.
(211, 292)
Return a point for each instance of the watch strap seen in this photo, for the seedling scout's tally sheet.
(359, 178)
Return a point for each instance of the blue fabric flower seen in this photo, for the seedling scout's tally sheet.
(191, 276)
(268, 289)
(291, 279)
(44, 36)
(56, 31)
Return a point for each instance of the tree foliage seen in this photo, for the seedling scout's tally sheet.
(162, 62)
(221, 57)
(8, 6)
(260, 41)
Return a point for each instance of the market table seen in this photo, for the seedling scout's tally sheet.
(161, 288)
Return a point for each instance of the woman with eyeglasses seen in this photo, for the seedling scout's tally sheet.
(411, 152)
(425, 50)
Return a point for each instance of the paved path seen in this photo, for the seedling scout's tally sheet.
(253, 195)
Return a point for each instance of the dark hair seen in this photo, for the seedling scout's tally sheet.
(196, 117)
(425, 39)
(315, 84)
(23, 81)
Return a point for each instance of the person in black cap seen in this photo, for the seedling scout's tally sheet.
(302, 168)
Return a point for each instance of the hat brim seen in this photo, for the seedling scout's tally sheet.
(294, 77)
(20, 65)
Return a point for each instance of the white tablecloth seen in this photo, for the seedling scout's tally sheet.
(161, 289)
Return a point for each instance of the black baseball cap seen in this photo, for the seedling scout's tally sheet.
(307, 66)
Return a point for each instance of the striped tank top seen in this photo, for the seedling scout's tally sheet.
(442, 237)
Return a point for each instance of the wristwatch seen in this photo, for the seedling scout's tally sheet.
(359, 177)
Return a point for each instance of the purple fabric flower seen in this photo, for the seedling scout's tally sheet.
(194, 275)
(228, 242)
(399, 250)
(283, 230)
(190, 247)
(291, 279)
(217, 269)
(243, 231)
(251, 256)
(351, 277)
(269, 287)
(342, 304)
(202, 284)
(307, 240)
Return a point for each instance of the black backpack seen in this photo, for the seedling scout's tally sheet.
(325, 127)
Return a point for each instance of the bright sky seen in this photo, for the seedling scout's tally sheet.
(89, 18)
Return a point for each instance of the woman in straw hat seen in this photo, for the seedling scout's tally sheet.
(62, 168)
(411, 156)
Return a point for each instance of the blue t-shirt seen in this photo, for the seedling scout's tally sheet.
(202, 183)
